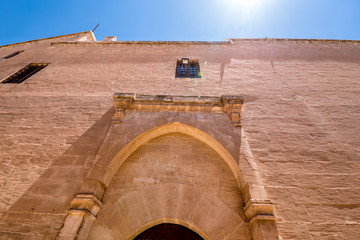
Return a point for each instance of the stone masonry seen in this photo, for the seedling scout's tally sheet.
(265, 145)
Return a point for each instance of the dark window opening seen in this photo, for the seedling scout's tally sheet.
(186, 68)
(168, 231)
(25, 73)
(12, 55)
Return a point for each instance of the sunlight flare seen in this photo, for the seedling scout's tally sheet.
(243, 5)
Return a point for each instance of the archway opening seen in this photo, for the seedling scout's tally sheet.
(168, 231)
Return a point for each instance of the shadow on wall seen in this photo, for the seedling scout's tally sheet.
(54, 190)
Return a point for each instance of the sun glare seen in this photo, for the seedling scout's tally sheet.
(243, 5)
(244, 11)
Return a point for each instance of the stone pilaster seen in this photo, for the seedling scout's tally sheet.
(83, 211)
(262, 221)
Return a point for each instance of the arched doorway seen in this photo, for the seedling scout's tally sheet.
(168, 231)
(173, 171)
(172, 176)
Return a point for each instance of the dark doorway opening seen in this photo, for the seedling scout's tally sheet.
(167, 231)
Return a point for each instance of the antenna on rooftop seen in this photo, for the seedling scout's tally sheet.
(95, 27)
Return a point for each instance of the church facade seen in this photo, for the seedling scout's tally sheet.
(236, 139)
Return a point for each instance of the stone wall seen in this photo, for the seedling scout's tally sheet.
(300, 119)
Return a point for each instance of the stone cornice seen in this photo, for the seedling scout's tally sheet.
(229, 41)
(294, 40)
(229, 104)
(100, 43)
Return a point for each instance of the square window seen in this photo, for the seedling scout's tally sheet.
(186, 68)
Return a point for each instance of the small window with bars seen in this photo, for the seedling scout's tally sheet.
(186, 68)
(25, 73)
(12, 55)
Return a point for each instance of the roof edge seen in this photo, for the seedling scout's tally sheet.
(143, 43)
(311, 40)
(49, 38)
(228, 41)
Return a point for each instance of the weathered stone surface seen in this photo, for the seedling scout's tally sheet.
(300, 117)
(166, 176)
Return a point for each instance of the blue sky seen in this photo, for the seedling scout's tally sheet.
(185, 20)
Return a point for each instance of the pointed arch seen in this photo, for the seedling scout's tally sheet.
(168, 220)
(174, 127)
(134, 212)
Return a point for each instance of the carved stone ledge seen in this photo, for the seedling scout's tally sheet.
(82, 213)
(232, 106)
(229, 104)
(86, 202)
(263, 218)
(256, 208)
(262, 221)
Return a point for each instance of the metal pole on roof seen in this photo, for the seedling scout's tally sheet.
(95, 27)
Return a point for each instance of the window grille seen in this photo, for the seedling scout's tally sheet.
(187, 69)
(25, 73)
(12, 55)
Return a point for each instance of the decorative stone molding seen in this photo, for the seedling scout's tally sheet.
(232, 106)
(229, 104)
(83, 211)
(259, 208)
(181, 43)
(294, 40)
(262, 221)
(87, 202)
